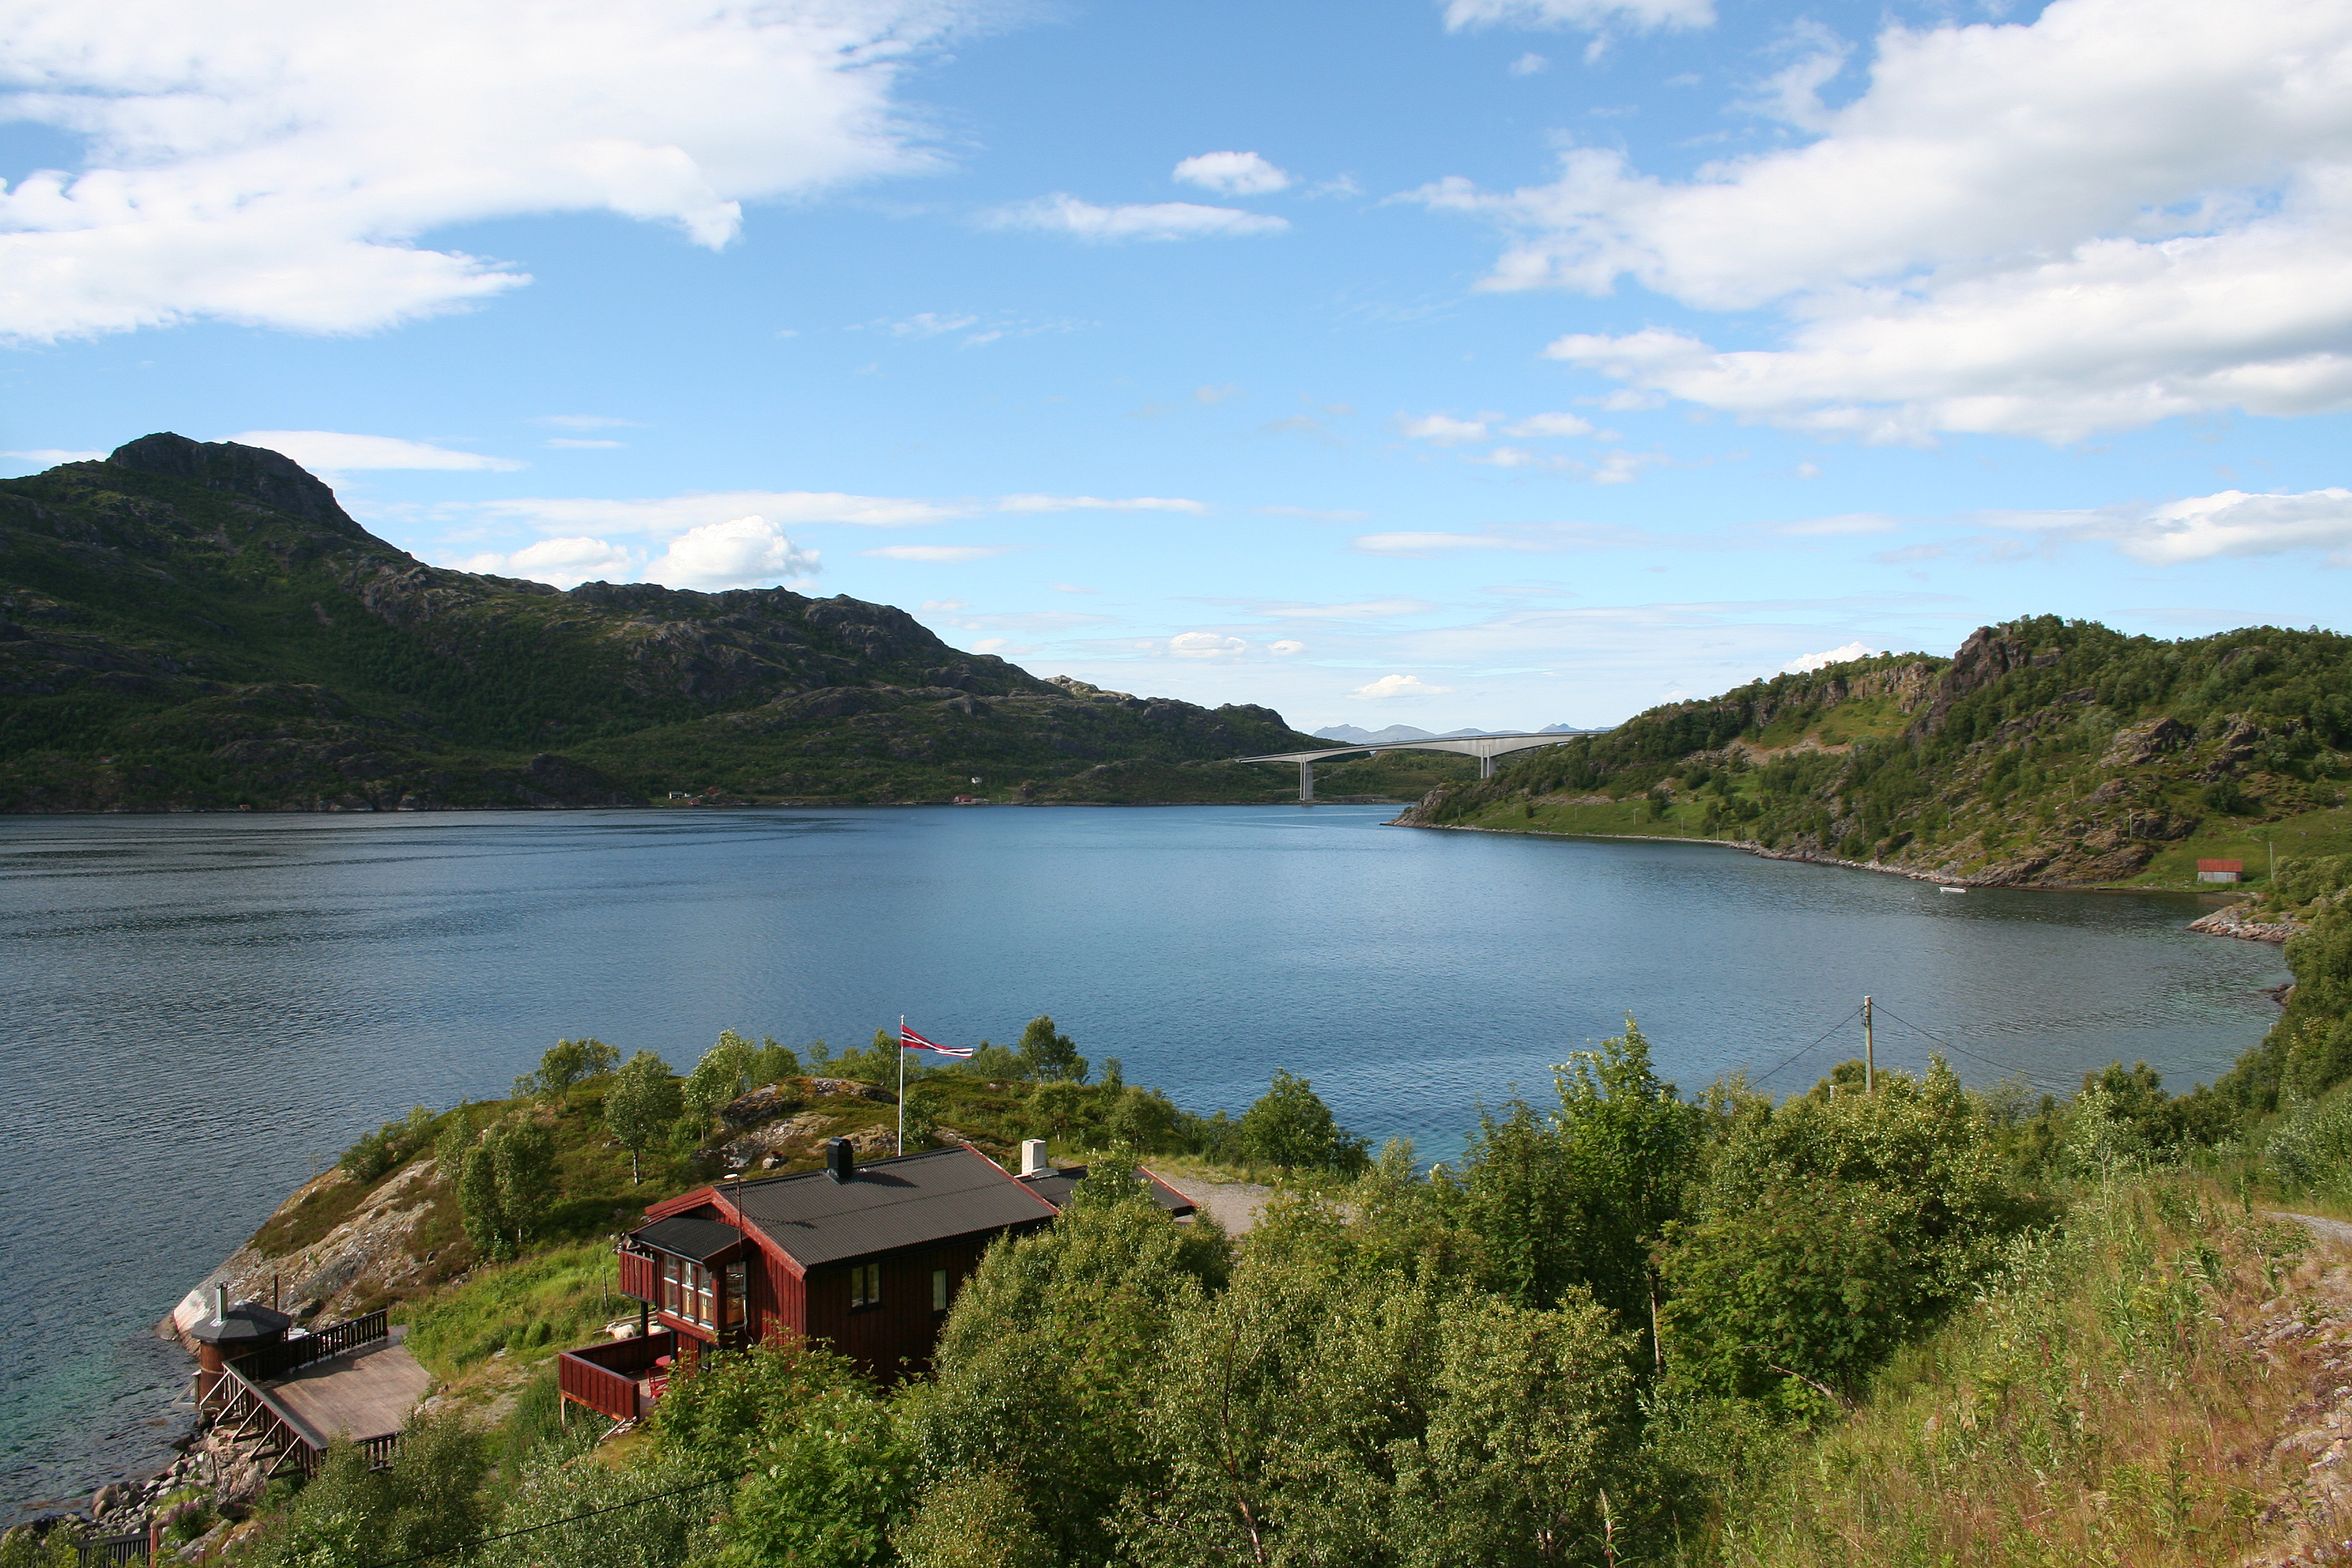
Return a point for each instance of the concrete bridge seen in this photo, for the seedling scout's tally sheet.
(1486, 748)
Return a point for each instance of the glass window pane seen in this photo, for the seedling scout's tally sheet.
(939, 1289)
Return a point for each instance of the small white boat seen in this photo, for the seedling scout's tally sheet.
(1950, 888)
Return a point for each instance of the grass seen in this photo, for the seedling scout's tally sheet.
(2107, 1402)
(549, 1301)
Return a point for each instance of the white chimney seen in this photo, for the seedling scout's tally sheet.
(220, 1303)
(1033, 1157)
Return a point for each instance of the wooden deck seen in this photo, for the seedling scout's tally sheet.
(368, 1394)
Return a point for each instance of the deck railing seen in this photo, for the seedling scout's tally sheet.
(287, 1356)
(139, 1547)
(244, 1410)
(603, 1377)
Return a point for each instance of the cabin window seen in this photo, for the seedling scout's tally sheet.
(687, 1291)
(737, 1305)
(939, 1289)
(865, 1285)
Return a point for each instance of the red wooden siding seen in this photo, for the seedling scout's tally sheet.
(899, 1335)
(640, 1277)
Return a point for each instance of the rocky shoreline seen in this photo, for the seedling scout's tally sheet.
(2231, 920)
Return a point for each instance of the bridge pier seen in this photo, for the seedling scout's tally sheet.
(1485, 767)
(1306, 783)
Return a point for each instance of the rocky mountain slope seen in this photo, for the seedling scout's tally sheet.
(2045, 753)
(192, 625)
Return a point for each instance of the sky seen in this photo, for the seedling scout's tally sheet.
(1486, 363)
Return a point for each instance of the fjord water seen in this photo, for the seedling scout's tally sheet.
(202, 1011)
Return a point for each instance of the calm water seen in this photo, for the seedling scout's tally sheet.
(201, 1011)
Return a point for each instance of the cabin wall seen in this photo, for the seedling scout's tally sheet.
(897, 1335)
(778, 1299)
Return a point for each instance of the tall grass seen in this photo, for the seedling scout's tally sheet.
(549, 1301)
(2105, 1401)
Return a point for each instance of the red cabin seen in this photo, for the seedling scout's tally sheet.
(864, 1257)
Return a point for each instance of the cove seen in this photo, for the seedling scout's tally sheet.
(202, 1010)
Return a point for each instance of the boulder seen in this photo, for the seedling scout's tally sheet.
(760, 1107)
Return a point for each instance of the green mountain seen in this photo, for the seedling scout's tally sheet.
(2045, 753)
(202, 627)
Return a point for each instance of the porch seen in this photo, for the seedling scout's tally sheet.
(358, 1385)
(621, 1379)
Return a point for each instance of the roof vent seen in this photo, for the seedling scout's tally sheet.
(1032, 1158)
(840, 1160)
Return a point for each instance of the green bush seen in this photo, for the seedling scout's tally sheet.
(389, 1146)
(1291, 1128)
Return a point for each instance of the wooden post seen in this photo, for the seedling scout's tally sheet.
(1869, 1053)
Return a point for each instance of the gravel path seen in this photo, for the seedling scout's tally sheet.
(1234, 1204)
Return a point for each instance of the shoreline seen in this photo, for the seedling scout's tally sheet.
(2213, 924)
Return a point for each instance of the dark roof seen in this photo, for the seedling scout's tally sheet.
(1054, 1187)
(686, 1237)
(246, 1322)
(911, 1201)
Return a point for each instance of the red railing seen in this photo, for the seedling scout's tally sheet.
(640, 1277)
(606, 1377)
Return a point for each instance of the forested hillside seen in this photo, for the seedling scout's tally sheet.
(2045, 753)
(188, 625)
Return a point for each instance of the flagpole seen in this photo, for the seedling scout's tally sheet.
(902, 1083)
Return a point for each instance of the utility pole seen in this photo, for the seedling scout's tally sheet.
(1869, 1053)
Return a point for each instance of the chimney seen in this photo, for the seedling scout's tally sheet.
(220, 1303)
(1032, 1158)
(840, 1160)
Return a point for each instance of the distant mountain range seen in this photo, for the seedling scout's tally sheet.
(1349, 735)
(191, 627)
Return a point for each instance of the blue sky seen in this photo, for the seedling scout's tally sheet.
(1486, 362)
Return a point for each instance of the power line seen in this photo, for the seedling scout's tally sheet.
(554, 1523)
(1825, 1033)
(2009, 1067)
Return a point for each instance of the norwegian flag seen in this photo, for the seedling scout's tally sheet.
(910, 1041)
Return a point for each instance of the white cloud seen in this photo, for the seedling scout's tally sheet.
(663, 517)
(1579, 14)
(1064, 214)
(1099, 504)
(1442, 429)
(582, 444)
(272, 163)
(1072, 588)
(1004, 647)
(1399, 686)
(1529, 64)
(945, 554)
(334, 451)
(1423, 544)
(2232, 523)
(945, 606)
(1215, 395)
(1543, 425)
(743, 552)
(2121, 211)
(1232, 174)
(1806, 663)
(1285, 647)
(566, 563)
(1206, 645)
(927, 324)
(50, 456)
